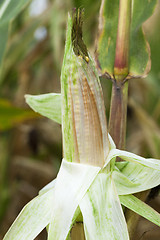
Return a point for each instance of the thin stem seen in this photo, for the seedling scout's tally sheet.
(118, 114)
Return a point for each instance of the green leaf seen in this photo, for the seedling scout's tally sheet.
(17, 45)
(135, 178)
(8, 11)
(139, 48)
(48, 105)
(11, 115)
(3, 39)
(33, 218)
(72, 183)
(107, 35)
(103, 217)
(140, 208)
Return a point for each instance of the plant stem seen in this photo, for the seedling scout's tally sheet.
(118, 109)
(118, 114)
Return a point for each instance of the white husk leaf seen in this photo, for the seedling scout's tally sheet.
(72, 182)
(48, 105)
(102, 213)
(140, 208)
(131, 157)
(33, 218)
(48, 187)
(135, 178)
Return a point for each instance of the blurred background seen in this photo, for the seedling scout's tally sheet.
(30, 145)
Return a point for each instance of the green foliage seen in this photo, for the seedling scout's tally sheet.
(16, 47)
(11, 115)
(8, 11)
(4, 38)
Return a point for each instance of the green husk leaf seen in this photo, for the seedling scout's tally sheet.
(102, 213)
(68, 61)
(135, 178)
(140, 208)
(81, 92)
(33, 218)
(48, 105)
(72, 183)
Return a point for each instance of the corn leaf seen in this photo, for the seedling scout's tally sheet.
(3, 40)
(107, 35)
(72, 183)
(17, 45)
(8, 11)
(140, 208)
(48, 105)
(139, 47)
(10, 115)
(33, 218)
(102, 213)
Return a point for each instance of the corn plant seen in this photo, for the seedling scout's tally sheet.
(92, 186)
